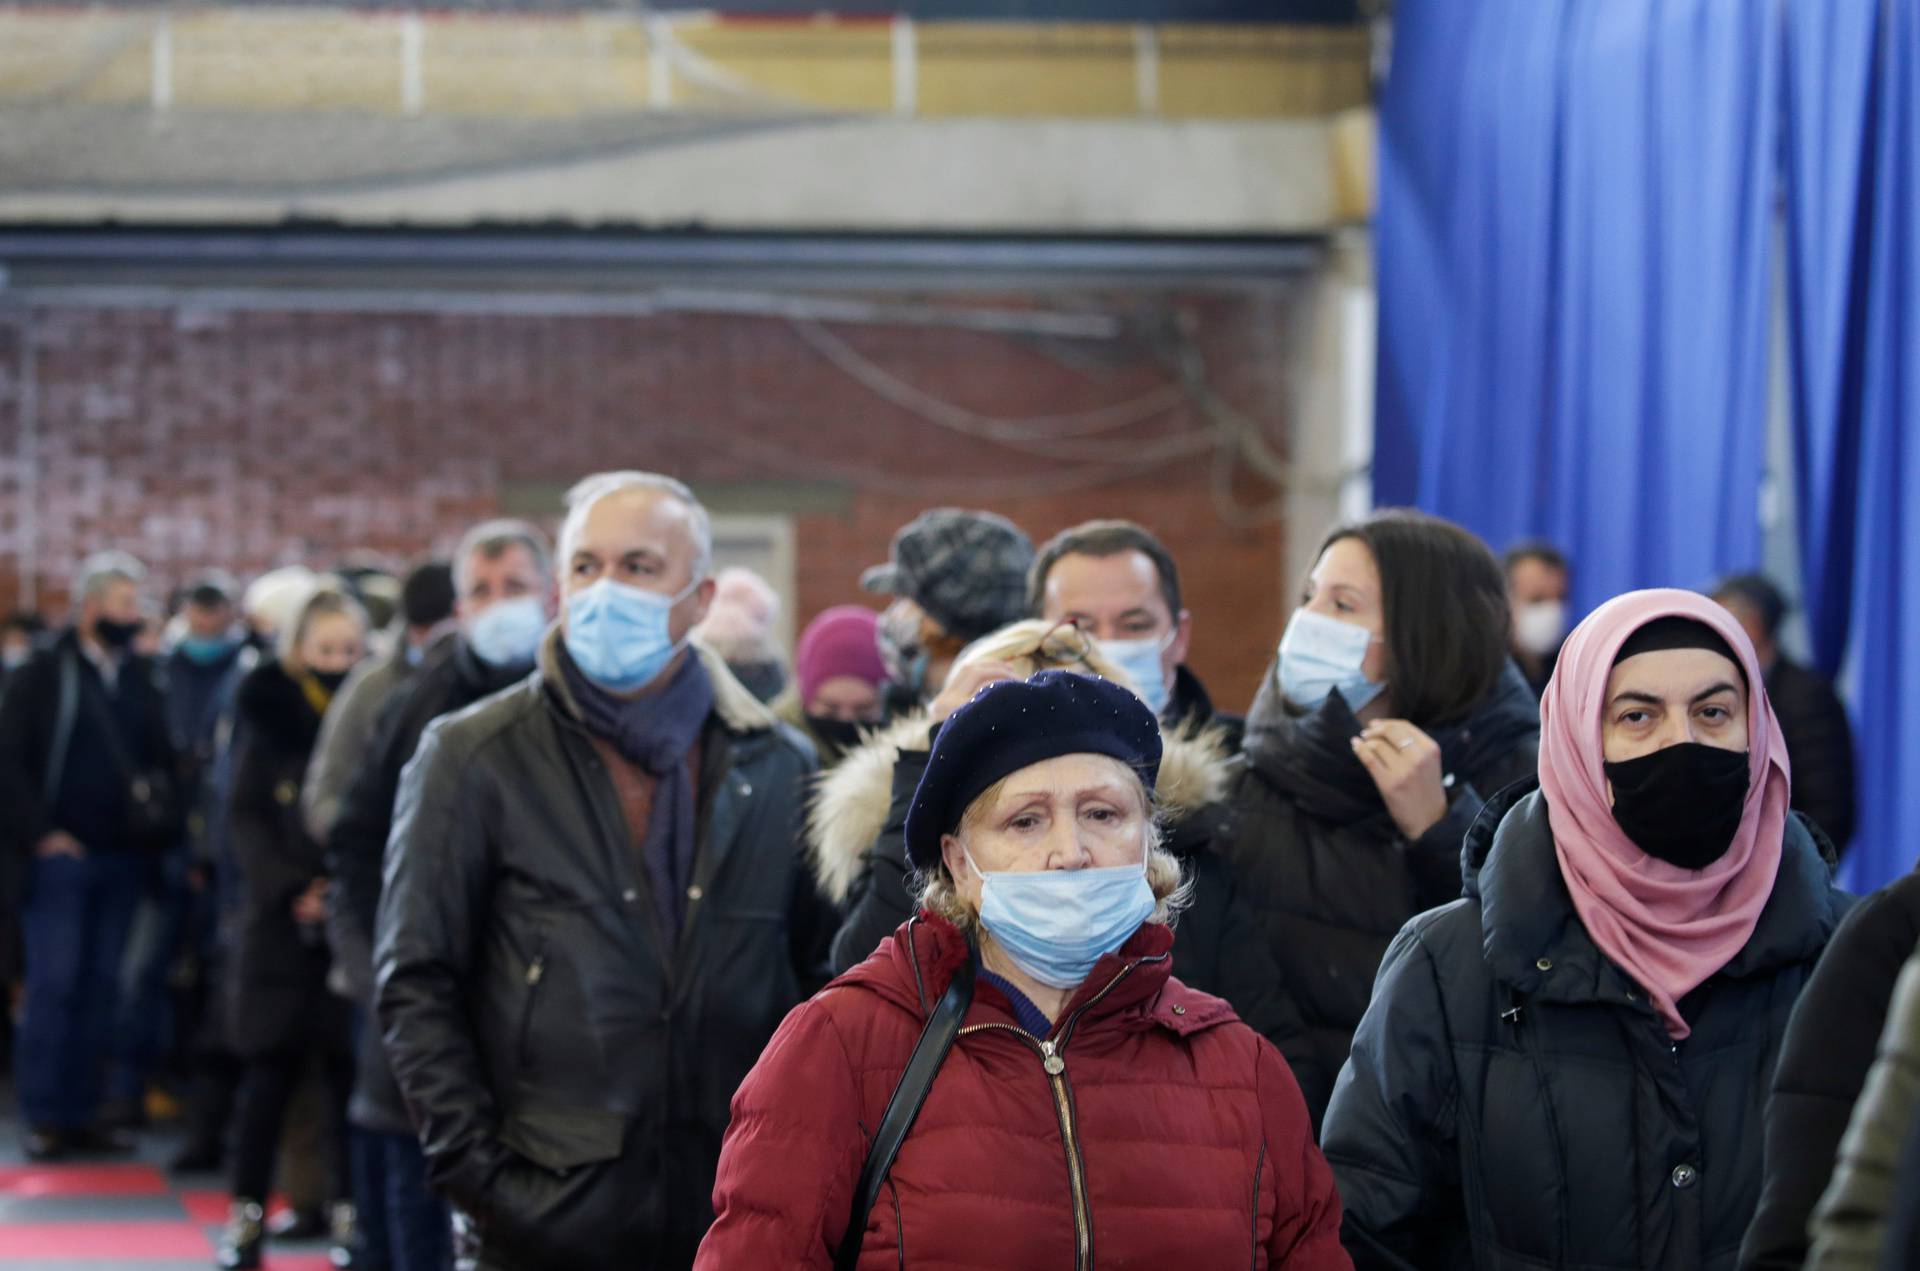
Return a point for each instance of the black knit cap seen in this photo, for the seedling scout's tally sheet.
(1012, 724)
(1676, 632)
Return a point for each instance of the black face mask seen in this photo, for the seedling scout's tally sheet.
(330, 680)
(844, 733)
(1681, 804)
(115, 635)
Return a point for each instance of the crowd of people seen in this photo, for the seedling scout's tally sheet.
(540, 909)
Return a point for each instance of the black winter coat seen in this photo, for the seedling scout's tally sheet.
(452, 681)
(277, 977)
(1330, 876)
(1514, 1102)
(1830, 1045)
(569, 1075)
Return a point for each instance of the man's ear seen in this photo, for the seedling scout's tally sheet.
(703, 600)
(1182, 637)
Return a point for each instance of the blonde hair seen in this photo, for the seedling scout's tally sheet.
(329, 596)
(1172, 890)
(1019, 643)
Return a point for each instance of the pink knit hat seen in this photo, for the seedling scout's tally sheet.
(843, 640)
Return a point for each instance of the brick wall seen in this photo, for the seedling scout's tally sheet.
(248, 438)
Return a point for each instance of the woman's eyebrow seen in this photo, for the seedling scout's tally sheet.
(1723, 686)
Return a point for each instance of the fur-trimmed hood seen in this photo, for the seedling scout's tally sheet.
(850, 803)
(737, 708)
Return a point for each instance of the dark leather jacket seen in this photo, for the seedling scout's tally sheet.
(569, 1075)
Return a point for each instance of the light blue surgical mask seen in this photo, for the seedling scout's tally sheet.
(618, 634)
(507, 632)
(205, 650)
(1140, 659)
(1054, 924)
(1319, 654)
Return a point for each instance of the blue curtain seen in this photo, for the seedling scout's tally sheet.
(1573, 240)
(1883, 640)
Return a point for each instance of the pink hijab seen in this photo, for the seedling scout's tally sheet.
(1669, 928)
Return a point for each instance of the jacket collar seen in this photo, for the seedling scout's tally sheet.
(1536, 944)
(736, 708)
(1130, 988)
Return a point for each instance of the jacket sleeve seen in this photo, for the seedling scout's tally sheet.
(1306, 1226)
(346, 733)
(357, 845)
(881, 899)
(427, 928)
(1823, 1063)
(1851, 1222)
(26, 725)
(1435, 855)
(276, 861)
(792, 1154)
(1389, 1133)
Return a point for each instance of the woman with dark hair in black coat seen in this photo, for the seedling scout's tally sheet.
(282, 1016)
(1390, 714)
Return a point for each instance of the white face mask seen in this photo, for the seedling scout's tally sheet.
(1539, 627)
(1319, 654)
(1141, 660)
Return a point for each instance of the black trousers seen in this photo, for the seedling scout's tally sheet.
(265, 1091)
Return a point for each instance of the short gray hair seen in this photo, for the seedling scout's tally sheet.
(590, 490)
(101, 570)
(490, 538)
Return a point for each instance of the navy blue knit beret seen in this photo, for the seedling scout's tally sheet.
(1012, 724)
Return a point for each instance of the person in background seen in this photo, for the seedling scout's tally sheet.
(954, 576)
(1829, 1047)
(503, 574)
(856, 825)
(20, 635)
(282, 1018)
(595, 912)
(202, 674)
(1819, 737)
(86, 766)
(1568, 1066)
(272, 602)
(839, 691)
(1390, 715)
(1119, 584)
(1537, 581)
(1094, 1106)
(427, 609)
(739, 627)
(370, 579)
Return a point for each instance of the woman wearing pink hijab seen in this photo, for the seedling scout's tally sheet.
(1567, 1067)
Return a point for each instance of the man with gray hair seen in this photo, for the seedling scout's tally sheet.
(86, 778)
(504, 599)
(595, 912)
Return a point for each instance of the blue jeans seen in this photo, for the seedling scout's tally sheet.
(144, 1034)
(419, 1224)
(74, 923)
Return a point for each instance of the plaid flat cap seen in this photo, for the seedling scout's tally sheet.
(966, 569)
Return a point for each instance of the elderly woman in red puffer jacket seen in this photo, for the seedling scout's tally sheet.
(1091, 1107)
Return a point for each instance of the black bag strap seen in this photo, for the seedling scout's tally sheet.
(936, 1039)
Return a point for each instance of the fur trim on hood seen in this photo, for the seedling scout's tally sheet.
(737, 708)
(851, 800)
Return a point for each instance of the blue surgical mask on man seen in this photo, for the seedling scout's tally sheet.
(1319, 654)
(507, 632)
(618, 635)
(205, 650)
(1054, 924)
(1141, 660)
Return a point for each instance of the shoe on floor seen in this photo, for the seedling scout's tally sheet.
(240, 1241)
(345, 1237)
(294, 1224)
(103, 1140)
(44, 1143)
